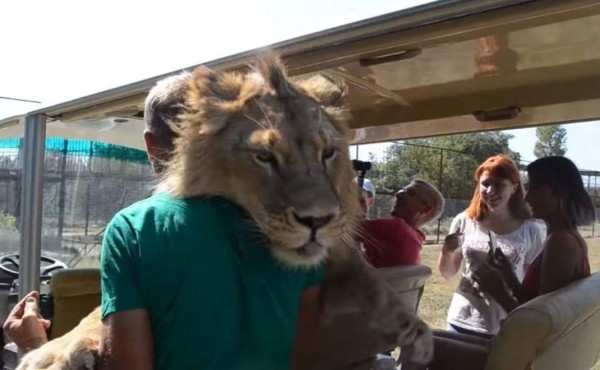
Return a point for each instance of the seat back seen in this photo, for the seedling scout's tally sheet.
(75, 293)
(559, 330)
(408, 282)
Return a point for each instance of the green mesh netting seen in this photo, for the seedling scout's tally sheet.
(80, 147)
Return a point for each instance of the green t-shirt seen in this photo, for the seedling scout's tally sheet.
(217, 298)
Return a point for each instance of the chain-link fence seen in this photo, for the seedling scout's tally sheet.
(452, 172)
(85, 184)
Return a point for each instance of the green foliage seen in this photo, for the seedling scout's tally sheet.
(447, 162)
(8, 222)
(551, 141)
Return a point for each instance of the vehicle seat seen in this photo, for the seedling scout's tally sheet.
(559, 330)
(408, 282)
(75, 293)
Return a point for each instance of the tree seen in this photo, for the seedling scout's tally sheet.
(551, 141)
(448, 162)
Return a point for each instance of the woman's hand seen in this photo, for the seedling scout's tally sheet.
(452, 242)
(501, 262)
(489, 278)
(491, 282)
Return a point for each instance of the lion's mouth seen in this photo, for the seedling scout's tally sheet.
(310, 249)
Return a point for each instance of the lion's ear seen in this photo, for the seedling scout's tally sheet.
(330, 93)
(212, 97)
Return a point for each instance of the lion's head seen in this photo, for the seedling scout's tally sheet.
(275, 147)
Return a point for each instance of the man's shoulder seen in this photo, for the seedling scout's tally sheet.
(163, 208)
(386, 222)
(387, 226)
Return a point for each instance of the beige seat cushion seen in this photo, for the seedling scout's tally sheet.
(559, 330)
(75, 294)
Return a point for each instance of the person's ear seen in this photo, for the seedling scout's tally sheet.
(150, 145)
(371, 201)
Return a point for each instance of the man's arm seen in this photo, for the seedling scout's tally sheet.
(127, 341)
(25, 326)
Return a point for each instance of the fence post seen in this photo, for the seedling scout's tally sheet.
(62, 189)
(440, 182)
(32, 195)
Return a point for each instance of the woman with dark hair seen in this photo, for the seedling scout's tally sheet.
(556, 195)
(497, 217)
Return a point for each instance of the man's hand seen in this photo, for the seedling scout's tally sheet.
(25, 326)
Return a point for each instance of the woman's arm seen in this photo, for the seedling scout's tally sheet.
(491, 282)
(451, 257)
(449, 262)
(501, 262)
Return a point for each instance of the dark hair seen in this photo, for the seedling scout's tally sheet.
(562, 176)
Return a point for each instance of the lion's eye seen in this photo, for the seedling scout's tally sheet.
(265, 157)
(327, 153)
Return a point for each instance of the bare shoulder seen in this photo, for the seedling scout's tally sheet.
(563, 245)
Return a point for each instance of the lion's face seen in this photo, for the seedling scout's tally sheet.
(276, 148)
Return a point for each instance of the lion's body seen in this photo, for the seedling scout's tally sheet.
(278, 149)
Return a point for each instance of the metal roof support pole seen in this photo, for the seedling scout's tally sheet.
(31, 204)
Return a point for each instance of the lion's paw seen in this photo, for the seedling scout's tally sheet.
(416, 343)
(78, 355)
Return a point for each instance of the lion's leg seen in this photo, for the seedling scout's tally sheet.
(75, 350)
(351, 286)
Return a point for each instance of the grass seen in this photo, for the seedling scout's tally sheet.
(438, 292)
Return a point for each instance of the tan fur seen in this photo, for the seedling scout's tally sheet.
(233, 117)
(76, 350)
(278, 148)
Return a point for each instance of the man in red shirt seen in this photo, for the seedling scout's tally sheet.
(398, 240)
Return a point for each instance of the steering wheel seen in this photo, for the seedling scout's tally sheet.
(45, 271)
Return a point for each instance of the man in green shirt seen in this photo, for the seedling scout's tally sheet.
(209, 296)
(215, 297)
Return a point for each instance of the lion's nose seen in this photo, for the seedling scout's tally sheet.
(314, 223)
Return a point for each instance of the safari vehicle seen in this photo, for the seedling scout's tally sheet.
(453, 66)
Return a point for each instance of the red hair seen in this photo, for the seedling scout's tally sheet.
(503, 167)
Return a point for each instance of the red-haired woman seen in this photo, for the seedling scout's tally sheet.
(497, 217)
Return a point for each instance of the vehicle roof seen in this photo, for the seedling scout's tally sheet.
(447, 67)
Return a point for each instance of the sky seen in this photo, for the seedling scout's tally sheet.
(582, 145)
(55, 51)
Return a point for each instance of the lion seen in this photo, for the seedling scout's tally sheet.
(277, 147)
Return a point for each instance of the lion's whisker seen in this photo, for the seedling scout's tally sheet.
(265, 114)
(260, 124)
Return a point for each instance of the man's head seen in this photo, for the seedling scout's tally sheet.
(368, 195)
(163, 104)
(418, 203)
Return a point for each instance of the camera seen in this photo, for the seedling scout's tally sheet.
(361, 166)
